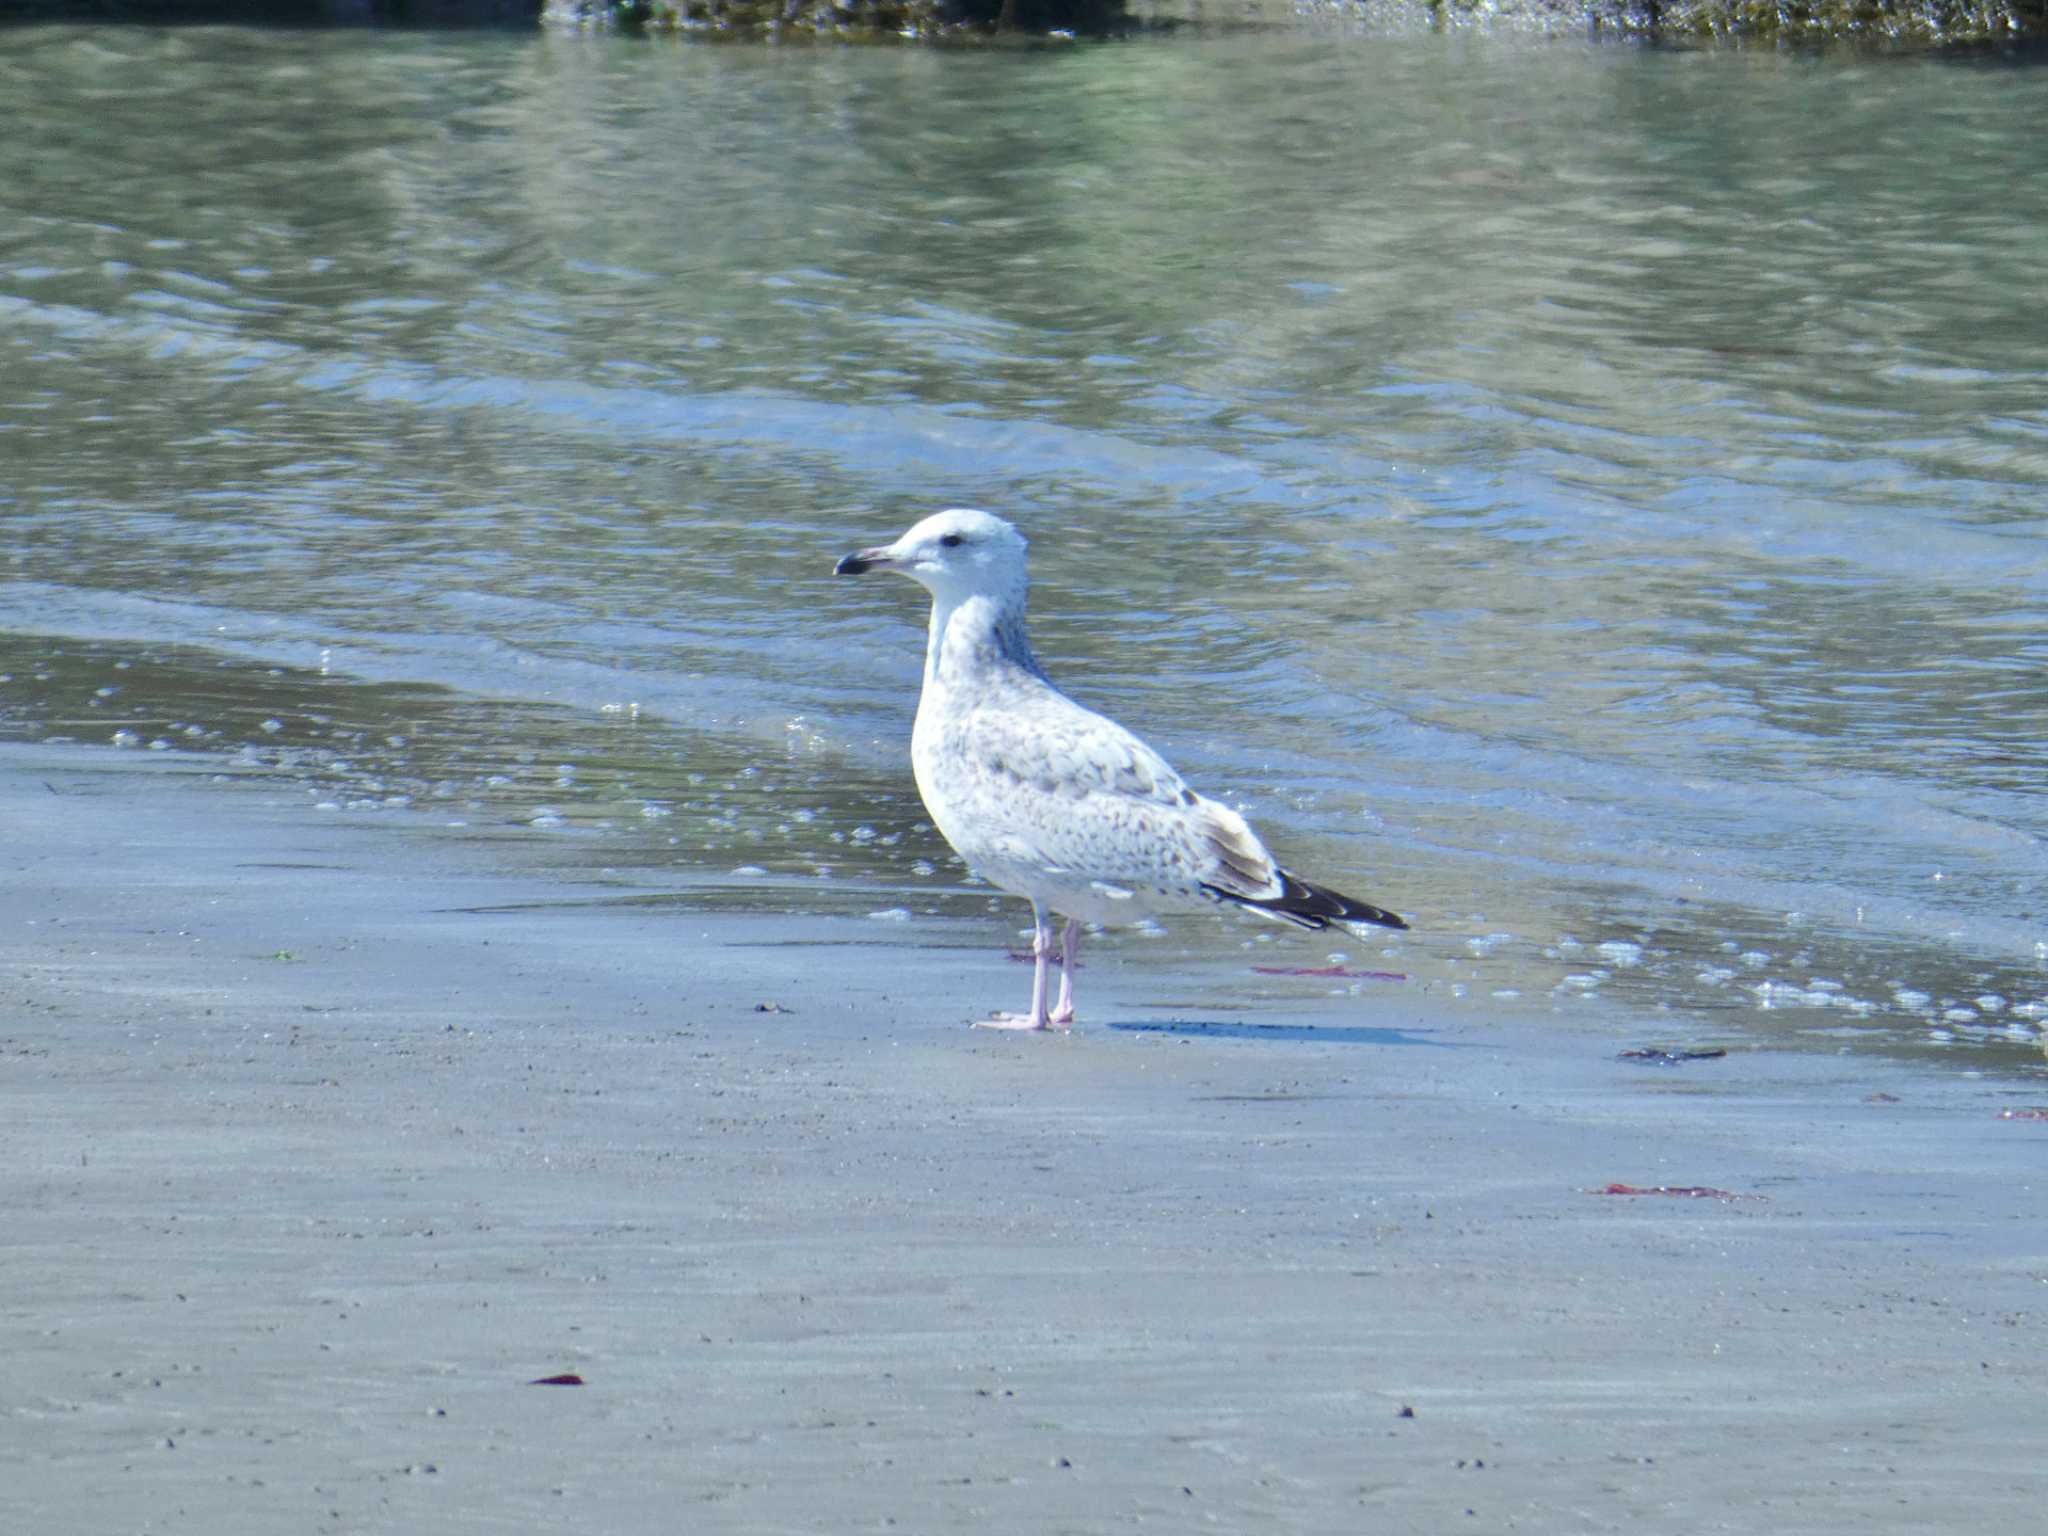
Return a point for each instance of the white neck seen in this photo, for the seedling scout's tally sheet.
(976, 626)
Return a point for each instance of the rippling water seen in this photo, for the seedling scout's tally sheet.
(1588, 498)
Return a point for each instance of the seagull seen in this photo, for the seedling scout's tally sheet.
(1047, 799)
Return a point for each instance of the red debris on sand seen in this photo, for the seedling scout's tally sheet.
(566, 1379)
(1681, 1191)
(1328, 970)
(2023, 1114)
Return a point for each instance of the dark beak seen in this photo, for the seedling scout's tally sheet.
(860, 563)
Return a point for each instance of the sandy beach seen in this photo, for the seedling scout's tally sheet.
(324, 1138)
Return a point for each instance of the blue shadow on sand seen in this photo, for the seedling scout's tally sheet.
(1329, 1034)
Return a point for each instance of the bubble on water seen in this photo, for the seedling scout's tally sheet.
(1755, 959)
(544, 816)
(1481, 946)
(1816, 994)
(125, 739)
(891, 915)
(271, 727)
(1907, 997)
(747, 871)
(1621, 953)
(1989, 1002)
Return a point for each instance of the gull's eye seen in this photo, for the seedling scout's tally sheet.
(952, 540)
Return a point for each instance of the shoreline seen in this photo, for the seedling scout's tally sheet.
(325, 1139)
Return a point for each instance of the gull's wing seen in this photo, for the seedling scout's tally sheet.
(1058, 787)
(1071, 790)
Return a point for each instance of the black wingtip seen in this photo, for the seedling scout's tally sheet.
(1331, 906)
(1313, 906)
(1365, 912)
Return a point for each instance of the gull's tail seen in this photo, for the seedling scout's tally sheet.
(1309, 906)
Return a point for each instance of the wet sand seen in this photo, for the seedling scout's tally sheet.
(322, 1137)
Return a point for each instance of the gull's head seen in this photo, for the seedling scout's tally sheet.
(955, 554)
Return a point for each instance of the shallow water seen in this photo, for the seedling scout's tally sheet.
(1587, 498)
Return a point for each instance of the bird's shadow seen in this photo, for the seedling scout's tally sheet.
(1331, 1034)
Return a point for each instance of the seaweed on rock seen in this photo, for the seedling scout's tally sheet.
(874, 18)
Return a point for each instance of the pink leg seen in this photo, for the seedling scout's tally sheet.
(1070, 948)
(1041, 954)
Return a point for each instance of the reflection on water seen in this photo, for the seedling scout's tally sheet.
(1552, 507)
